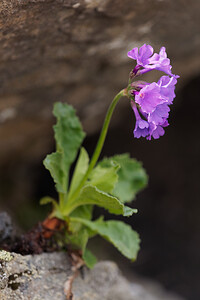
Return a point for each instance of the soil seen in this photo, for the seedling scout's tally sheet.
(42, 238)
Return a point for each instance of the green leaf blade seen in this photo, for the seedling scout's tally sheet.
(69, 136)
(132, 178)
(104, 178)
(48, 200)
(89, 258)
(68, 131)
(118, 233)
(79, 238)
(84, 212)
(91, 195)
(54, 163)
(79, 172)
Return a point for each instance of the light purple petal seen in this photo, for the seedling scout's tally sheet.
(149, 98)
(160, 62)
(141, 55)
(133, 53)
(144, 53)
(167, 87)
(149, 61)
(159, 131)
(160, 113)
(163, 53)
(141, 128)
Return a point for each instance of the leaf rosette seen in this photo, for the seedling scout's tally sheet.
(113, 182)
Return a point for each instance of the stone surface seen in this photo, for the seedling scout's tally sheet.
(42, 277)
(75, 51)
(34, 277)
(6, 227)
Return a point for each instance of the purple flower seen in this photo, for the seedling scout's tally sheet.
(141, 126)
(167, 87)
(153, 100)
(149, 97)
(157, 132)
(142, 55)
(160, 62)
(150, 101)
(145, 128)
(147, 61)
(160, 114)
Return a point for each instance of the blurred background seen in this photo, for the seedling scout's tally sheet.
(75, 52)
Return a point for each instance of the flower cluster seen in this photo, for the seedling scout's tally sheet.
(150, 101)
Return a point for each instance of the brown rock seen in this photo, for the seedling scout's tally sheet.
(75, 51)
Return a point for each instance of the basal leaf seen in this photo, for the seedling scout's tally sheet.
(69, 136)
(104, 178)
(84, 211)
(131, 177)
(118, 233)
(68, 131)
(48, 200)
(89, 258)
(79, 172)
(79, 239)
(91, 195)
(55, 164)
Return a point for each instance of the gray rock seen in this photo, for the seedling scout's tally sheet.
(105, 281)
(43, 277)
(34, 277)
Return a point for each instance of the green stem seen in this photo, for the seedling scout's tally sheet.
(61, 200)
(100, 143)
(103, 134)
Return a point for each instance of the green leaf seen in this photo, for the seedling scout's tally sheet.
(79, 172)
(118, 233)
(104, 178)
(55, 164)
(89, 258)
(47, 200)
(131, 177)
(91, 195)
(69, 136)
(79, 238)
(84, 212)
(68, 131)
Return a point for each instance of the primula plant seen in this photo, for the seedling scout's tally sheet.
(114, 181)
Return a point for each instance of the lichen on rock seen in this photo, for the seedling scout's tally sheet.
(5, 256)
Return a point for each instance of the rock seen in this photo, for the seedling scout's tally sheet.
(75, 51)
(6, 227)
(105, 281)
(43, 276)
(35, 277)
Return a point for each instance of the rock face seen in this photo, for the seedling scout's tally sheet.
(34, 277)
(6, 227)
(43, 277)
(75, 51)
